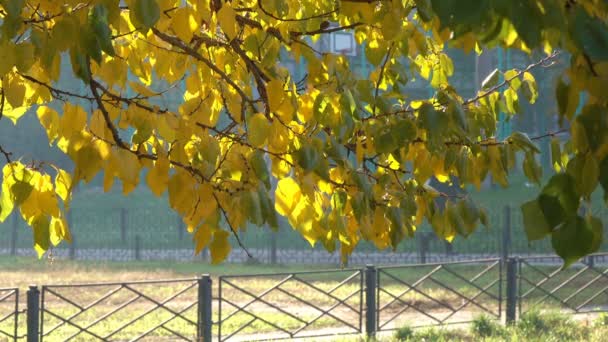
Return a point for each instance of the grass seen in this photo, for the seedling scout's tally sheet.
(20, 272)
(532, 327)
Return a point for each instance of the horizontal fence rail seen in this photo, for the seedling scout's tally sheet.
(9, 314)
(120, 311)
(324, 303)
(437, 294)
(581, 288)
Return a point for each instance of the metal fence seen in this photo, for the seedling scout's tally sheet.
(9, 313)
(309, 304)
(583, 290)
(449, 293)
(321, 303)
(156, 234)
(120, 311)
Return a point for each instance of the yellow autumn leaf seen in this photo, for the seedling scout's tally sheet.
(202, 237)
(226, 18)
(220, 246)
(14, 114)
(158, 177)
(73, 120)
(14, 92)
(59, 231)
(129, 169)
(49, 119)
(184, 24)
(258, 130)
(287, 196)
(276, 94)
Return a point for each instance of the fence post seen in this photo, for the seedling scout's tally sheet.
(370, 300)
(33, 313)
(511, 306)
(72, 248)
(123, 225)
(273, 247)
(14, 232)
(180, 228)
(423, 246)
(591, 261)
(137, 247)
(205, 301)
(506, 234)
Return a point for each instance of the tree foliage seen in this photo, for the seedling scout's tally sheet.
(350, 155)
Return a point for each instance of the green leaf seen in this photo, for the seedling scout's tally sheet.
(432, 120)
(567, 99)
(535, 224)
(590, 34)
(590, 175)
(20, 191)
(524, 142)
(597, 228)
(267, 208)
(469, 213)
(574, 239)
(603, 178)
(80, 64)
(455, 219)
(492, 80)
(423, 8)
(145, 13)
(98, 23)
(260, 168)
(559, 199)
(308, 157)
(529, 87)
(395, 216)
(556, 154)
(532, 169)
(338, 200)
(251, 207)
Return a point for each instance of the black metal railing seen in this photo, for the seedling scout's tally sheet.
(438, 294)
(582, 288)
(9, 313)
(332, 307)
(133, 310)
(308, 304)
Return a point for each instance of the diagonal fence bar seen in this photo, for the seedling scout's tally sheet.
(290, 305)
(9, 313)
(132, 310)
(446, 293)
(580, 288)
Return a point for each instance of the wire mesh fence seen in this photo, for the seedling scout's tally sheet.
(154, 234)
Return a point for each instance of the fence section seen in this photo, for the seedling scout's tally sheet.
(157, 233)
(434, 294)
(307, 304)
(9, 313)
(290, 305)
(581, 288)
(120, 311)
